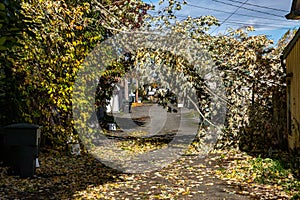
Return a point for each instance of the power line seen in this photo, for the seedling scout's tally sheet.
(245, 23)
(229, 16)
(222, 11)
(241, 23)
(260, 6)
(266, 13)
(236, 22)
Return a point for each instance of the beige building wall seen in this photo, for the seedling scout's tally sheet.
(293, 95)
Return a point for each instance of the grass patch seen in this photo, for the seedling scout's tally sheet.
(256, 172)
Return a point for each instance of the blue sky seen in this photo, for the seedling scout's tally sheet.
(267, 16)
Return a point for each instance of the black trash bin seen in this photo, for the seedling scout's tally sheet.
(19, 147)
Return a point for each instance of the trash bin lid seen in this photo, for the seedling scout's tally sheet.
(22, 126)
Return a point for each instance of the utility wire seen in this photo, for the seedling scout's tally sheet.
(240, 23)
(241, 6)
(244, 23)
(222, 11)
(260, 6)
(229, 16)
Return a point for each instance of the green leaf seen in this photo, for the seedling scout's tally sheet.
(2, 40)
(2, 6)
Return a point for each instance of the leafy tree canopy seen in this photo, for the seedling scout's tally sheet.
(56, 36)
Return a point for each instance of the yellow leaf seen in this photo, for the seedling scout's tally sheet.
(79, 28)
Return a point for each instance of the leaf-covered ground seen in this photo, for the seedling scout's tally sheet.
(265, 177)
(221, 175)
